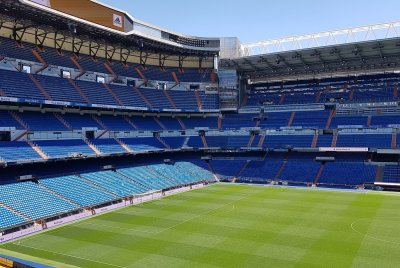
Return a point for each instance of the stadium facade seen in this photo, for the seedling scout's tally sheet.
(102, 111)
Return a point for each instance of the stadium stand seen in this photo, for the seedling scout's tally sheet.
(57, 195)
(109, 117)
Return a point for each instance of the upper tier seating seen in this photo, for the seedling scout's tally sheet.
(209, 101)
(364, 140)
(77, 121)
(275, 120)
(108, 146)
(64, 148)
(195, 142)
(174, 142)
(9, 48)
(227, 141)
(117, 123)
(6, 120)
(19, 85)
(311, 119)
(59, 89)
(237, 121)
(385, 120)
(143, 144)
(53, 57)
(42, 121)
(200, 122)
(284, 141)
(185, 100)
(17, 151)
(348, 89)
(338, 121)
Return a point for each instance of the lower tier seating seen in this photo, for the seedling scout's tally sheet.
(58, 195)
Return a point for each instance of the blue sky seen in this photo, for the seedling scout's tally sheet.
(254, 20)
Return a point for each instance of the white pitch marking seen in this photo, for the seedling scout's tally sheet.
(173, 226)
(370, 236)
(68, 255)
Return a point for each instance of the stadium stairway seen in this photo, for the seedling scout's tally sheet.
(145, 100)
(261, 141)
(123, 145)
(92, 146)
(16, 212)
(130, 123)
(112, 93)
(175, 77)
(40, 59)
(160, 123)
(251, 140)
(334, 139)
(19, 120)
(57, 194)
(38, 150)
(278, 174)
(140, 73)
(96, 186)
(315, 140)
(319, 174)
(291, 119)
(203, 139)
(241, 170)
(152, 170)
(40, 87)
(331, 114)
(62, 121)
(111, 71)
(394, 140)
(79, 90)
(379, 173)
(82, 71)
(212, 170)
(171, 101)
(181, 123)
(163, 143)
(198, 100)
(133, 180)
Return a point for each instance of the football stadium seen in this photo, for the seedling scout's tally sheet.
(123, 144)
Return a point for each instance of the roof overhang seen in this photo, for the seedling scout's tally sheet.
(351, 58)
(40, 15)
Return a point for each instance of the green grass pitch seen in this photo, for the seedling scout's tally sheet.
(230, 226)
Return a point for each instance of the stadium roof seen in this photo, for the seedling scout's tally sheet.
(354, 58)
(143, 36)
(328, 38)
